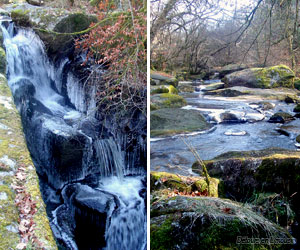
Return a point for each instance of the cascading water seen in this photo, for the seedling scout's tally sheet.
(95, 198)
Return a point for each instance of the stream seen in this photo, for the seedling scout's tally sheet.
(92, 178)
(250, 131)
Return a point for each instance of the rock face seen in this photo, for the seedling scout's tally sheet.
(271, 77)
(16, 170)
(174, 121)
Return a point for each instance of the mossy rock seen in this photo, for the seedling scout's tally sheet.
(21, 17)
(168, 100)
(208, 223)
(281, 117)
(14, 149)
(298, 139)
(187, 185)
(174, 121)
(160, 89)
(270, 170)
(2, 61)
(271, 77)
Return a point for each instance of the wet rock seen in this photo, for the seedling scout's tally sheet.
(281, 117)
(230, 118)
(35, 2)
(271, 77)
(226, 93)
(175, 121)
(291, 99)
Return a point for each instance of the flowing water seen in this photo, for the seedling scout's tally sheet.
(62, 142)
(250, 132)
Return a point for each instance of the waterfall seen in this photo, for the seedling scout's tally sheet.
(89, 179)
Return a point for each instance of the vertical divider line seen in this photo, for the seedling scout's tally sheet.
(148, 124)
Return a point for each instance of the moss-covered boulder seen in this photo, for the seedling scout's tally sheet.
(271, 170)
(281, 117)
(20, 197)
(160, 89)
(175, 121)
(53, 25)
(209, 223)
(271, 77)
(168, 100)
(191, 185)
(2, 61)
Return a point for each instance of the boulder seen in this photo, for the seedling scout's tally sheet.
(230, 68)
(182, 222)
(271, 77)
(163, 89)
(174, 121)
(35, 2)
(281, 117)
(269, 170)
(167, 100)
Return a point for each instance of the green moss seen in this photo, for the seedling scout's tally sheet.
(275, 76)
(153, 107)
(159, 89)
(173, 90)
(297, 83)
(14, 147)
(172, 101)
(2, 61)
(298, 139)
(21, 17)
(161, 236)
